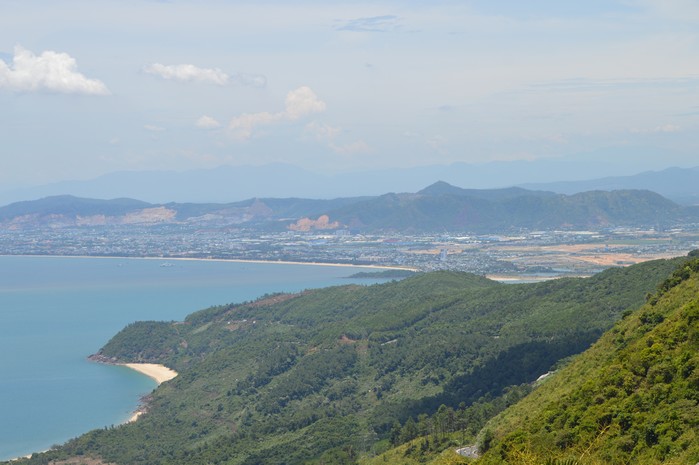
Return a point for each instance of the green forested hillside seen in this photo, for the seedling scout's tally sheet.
(331, 375)
(437, 208)
(632, 398)
(444, 207)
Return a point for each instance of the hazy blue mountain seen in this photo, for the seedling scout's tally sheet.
(439, 207)
(67, 210)
(444, 188)
(235, 183)
(221, 185)
(678, 184)
(498, 210)
(71, 206)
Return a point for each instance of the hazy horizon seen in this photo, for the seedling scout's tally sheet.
(225, 184)
(91, 88)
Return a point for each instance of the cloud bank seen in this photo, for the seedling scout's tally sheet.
(299, 103)
(207, 122)
(51, 71)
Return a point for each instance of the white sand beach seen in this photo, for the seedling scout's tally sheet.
(160, 373)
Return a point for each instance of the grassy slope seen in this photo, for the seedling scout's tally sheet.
(324, 374)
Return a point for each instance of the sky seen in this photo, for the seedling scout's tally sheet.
(89, 87)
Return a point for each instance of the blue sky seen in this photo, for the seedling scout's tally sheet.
(90, 87)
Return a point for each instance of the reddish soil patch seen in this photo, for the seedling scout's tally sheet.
(80, 461)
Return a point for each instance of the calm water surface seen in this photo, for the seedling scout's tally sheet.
(54, 312)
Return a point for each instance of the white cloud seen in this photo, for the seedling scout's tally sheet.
(302, 102)
(207, 122)
(188, 73)
(328, 135)
(51, 71)
(321, 131)
(667, 128)
(663, 129)
(383, 23)
(191, 73)
(153, 128)
(299, 103)
(243, 125)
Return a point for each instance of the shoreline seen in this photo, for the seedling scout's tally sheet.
(156, 372)
(161, 373)
(232, 260)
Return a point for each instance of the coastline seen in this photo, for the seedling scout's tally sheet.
(158, 373)
(134, 407)
(231, 260)
(155, 371)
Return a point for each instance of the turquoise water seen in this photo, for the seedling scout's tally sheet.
(54, 312)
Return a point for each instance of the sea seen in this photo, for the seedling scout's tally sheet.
(55, 311)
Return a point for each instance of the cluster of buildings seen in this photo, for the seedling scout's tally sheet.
(539, 253)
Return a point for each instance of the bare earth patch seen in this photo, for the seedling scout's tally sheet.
(80, 461)
(275, 299)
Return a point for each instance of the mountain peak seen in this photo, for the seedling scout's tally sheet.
(444, 188)
(440, 188)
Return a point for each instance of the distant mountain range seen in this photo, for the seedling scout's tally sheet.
(441, 207)
(67, 211)
(678, 184)
(505, 209)
(230, 184)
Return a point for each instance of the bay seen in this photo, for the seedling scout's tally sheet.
(55, 311)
